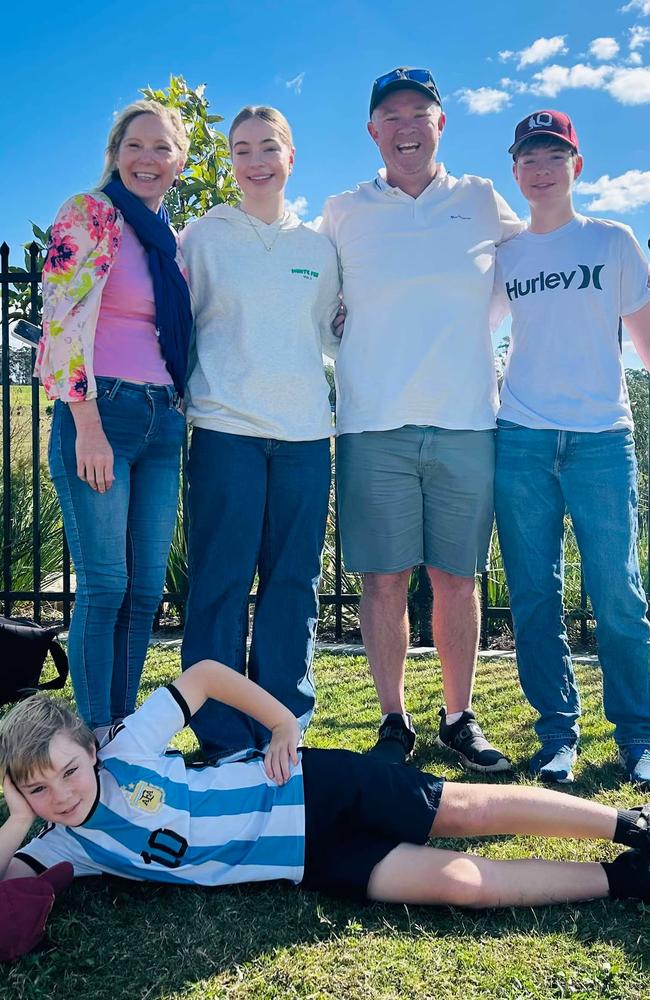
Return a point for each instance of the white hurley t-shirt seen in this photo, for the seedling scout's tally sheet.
(566, 291)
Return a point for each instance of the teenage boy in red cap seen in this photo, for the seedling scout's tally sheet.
(341, 822)
(564, 443)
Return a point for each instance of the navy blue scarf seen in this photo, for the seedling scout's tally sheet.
(171, 294)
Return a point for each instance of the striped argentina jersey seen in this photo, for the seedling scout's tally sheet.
(155, 818)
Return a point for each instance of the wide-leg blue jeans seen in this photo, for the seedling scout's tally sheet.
(119, 540)
(256, 505)
(540, 474)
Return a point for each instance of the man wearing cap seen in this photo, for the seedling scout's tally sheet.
(564, 443)
(416, 401)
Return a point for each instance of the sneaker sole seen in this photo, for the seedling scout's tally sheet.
(551, 779)
(501, 765)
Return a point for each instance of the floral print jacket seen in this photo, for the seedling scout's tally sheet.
(86, 238)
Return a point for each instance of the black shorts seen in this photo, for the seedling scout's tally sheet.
(357, 809)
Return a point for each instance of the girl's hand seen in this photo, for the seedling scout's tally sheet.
(283, 750)
(18, 806)
(94, 458)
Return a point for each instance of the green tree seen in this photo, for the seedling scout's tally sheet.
(208, 178)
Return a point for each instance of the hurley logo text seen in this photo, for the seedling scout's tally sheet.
(581, 277)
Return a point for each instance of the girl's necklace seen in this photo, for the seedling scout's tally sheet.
(257, 232)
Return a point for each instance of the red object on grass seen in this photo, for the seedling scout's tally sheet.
(25, 905)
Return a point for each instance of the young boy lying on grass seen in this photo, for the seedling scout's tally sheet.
(331, 820)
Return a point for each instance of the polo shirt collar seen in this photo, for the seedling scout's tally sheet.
(440, 181)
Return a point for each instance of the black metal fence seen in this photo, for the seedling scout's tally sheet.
(24, 285)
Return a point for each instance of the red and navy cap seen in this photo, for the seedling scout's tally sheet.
(554, 123)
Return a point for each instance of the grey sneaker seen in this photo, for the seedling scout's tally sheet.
(635, 760)
(465, 738)
(554, 763)
(396, 739)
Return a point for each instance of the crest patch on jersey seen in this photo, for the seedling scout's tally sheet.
(148, 798)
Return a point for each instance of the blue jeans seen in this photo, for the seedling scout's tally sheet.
(119, 540)
(255, 505)
(539, 475)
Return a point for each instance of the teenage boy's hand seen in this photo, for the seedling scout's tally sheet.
(18, 806)
(283, 750)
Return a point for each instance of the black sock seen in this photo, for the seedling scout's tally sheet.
(633, 828)
(628, 877)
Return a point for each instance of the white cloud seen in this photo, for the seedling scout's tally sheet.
(604, 48)
(314, 223)
(514, 86)
(541, 50)
(295, 84)
(552, 79)
(506, 54)
(643, 7)
(635, 59)
(298, 206)
(484, 100)
(631, 86)
(627, 86)
(617, 194)
(639, 35)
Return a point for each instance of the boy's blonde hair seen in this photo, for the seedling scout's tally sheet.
(169, 116)
(26, 732)
(271, 116)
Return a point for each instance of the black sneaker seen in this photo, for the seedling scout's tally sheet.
(641, 832)
(396, 739)
(629, 876)
(466, 739)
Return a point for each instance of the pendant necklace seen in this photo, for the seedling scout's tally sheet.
(257, 232)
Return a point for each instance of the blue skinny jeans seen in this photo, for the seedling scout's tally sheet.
(119, 540)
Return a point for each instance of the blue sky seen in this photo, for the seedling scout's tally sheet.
(67, 68)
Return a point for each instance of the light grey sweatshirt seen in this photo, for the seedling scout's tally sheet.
(262, 321)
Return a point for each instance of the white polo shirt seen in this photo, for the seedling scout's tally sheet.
(417, 280)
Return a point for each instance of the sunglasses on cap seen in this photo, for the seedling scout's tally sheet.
(402, 78)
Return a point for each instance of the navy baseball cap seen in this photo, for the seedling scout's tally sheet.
(554, 123)
(404, 78)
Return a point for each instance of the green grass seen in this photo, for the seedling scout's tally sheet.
(129, 941)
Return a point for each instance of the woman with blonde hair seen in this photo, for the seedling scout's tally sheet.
(265, 290)
(113, 355)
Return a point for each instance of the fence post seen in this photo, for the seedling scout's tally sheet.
(338, 561)
(484, 640)
(36, 443)
(6, 440)
(424, 600)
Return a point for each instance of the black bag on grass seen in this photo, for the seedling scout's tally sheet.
(23, 650)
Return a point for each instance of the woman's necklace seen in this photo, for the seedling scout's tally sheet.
(257, 232)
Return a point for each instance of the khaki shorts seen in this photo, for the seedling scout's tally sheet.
(415, 495)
